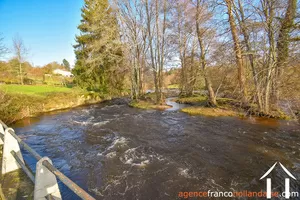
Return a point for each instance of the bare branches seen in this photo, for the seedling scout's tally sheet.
(3, 49)
(20, 52)
(19, 48)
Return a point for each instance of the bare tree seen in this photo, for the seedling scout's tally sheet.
(237, 50)
(184, 34)
(258, 33)
(20, 52)
(244, 25)
(156, 39)
(200, 34)
(3, 49)
(132, 20)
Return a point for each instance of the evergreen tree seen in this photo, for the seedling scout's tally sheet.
(98, 49)
(66, 64)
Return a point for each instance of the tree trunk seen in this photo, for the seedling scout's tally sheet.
(21, 73)
(161, 64)
(245, 33)
(269, 14)
(158, 56)
(154, 68)
(238, 52)
(283, 44)
(208, 85)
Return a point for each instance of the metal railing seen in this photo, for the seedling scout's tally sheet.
(46, 174)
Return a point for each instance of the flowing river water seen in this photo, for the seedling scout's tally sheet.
(114, 151)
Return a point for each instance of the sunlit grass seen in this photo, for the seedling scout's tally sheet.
(192, 100)
(40, 90)
(148, 105)
(208, 111)
(174, 86)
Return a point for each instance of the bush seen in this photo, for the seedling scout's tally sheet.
(17, 106)
(28, 81)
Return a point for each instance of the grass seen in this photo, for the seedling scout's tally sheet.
(19, 101)
(148, 105)
(39, 90)
(149, 97)
(192, 100)
(200, 102)
(208, 111)
(174, 86)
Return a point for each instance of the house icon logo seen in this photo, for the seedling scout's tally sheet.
(287, 181)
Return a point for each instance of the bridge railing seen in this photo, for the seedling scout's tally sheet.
(45, 182)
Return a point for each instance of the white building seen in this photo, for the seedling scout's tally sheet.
(62, 72)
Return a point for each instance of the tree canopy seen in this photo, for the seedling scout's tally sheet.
(98, 48)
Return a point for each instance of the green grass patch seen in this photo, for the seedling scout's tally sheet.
(174, 86)
(149, 97)
(19, 101)
(40, 90)
(148, 105)
(192, 100)
(208, 111)
(222, 101)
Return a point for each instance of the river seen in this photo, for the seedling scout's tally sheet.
(118, 152)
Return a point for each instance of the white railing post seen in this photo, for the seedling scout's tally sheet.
(45, 182)
(2, 133)
(9, 163)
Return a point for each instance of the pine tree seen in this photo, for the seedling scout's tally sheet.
(98, 49)
(66, 64)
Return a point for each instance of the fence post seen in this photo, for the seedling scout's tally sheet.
(2, 133)
(45, 182)
(9, 163)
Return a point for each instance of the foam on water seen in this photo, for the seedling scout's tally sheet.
(90, 122)
(110, 107)
(100, 123)
(140, 156)
(185, 172)
(111, 154)
(81, 123)
(118, 142)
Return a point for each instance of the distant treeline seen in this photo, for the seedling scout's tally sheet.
(10, 73)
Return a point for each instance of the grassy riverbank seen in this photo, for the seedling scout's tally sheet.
(19, 101)
(34, 90)
(226, 107)
(148, 105)
(199, 106)
(148, 102)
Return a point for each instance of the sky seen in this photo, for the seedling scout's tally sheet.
(47, 28)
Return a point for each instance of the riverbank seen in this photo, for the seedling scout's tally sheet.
(18, 102)
(226, 107)
(148, 105)
(197, 105)
(148, 102)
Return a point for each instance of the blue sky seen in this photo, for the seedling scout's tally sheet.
(47, 27)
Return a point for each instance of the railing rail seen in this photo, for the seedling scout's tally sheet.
(42, 162)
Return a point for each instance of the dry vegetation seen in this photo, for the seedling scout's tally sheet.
(17, 102)
(212, 112)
